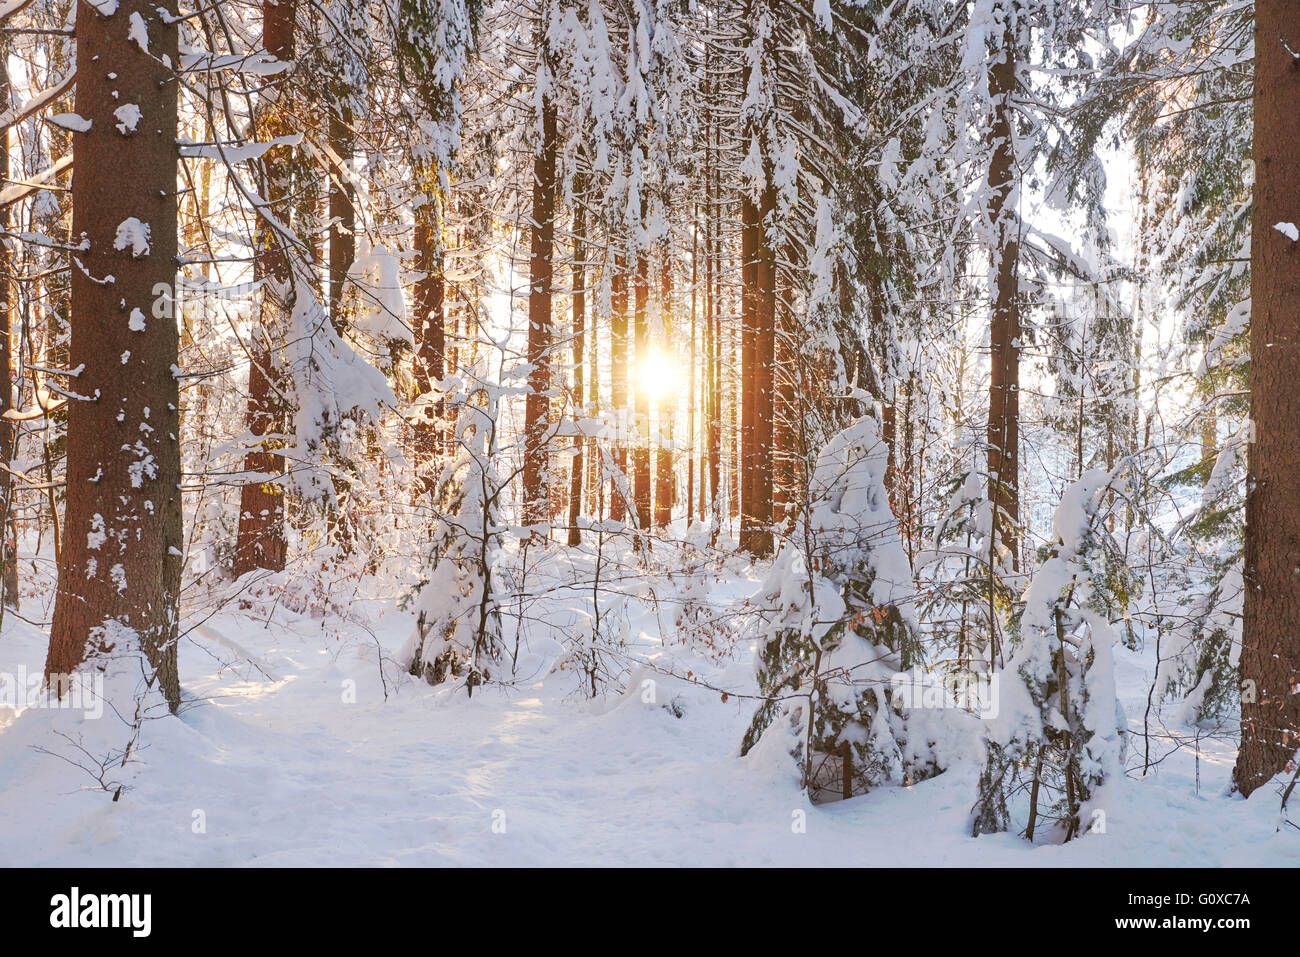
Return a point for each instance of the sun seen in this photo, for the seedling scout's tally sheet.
(658, 375)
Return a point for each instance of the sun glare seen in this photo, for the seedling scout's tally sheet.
(659, 376)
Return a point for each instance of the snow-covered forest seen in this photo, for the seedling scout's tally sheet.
(683, 431)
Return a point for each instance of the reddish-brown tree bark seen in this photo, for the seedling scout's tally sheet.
(121, 559)
(537, 407)
(641, 503)
(667, 411)
(1004, 333)
(342, 214)
(429, 323)
(579, 341)
(785, 412)
(762, 391)
(750, 226)
(1270, 641)
(619, 374)
(261, 541)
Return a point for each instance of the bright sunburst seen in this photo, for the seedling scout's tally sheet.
(659, 375)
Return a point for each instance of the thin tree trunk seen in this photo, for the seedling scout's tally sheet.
(1004, 338)
(342, 215)
(595, 487)
(8, 540)
(429, 323)
(619, 372)
(537, 407)
(667, 411)
(750, 226)
(579, 341)
(784, 414)
(691, 403)
(764, 387)
(641, 334)
(261, 540)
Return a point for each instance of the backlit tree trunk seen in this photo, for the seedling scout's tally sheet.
(619, 371)
(763, 392)
(261, 541)
(579, 341)
(750, 225)
(342, 214)
(429, 322)
(667, 412)
(540, 275)
(641, 334)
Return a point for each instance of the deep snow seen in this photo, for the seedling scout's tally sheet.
(280, 768)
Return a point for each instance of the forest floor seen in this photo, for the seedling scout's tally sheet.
(297, 747)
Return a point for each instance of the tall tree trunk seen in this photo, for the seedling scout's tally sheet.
(579, 342)
(691, 403)
(1270, 642)
(712, 323)
(1004, 334)
(764, 392)
(595, 487)
(619, 373)
(261, 540)
(785, 412)
(667, 411)
(537, 407)
(758, 323)
(8, 542)
(735, 427)
(119, 578)
(641, 334)
(886, 386)
(429, 322)
(341, 197)
(715, 377)
(342, 214)
(750, 226)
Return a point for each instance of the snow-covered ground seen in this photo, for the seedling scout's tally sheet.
(294, 749)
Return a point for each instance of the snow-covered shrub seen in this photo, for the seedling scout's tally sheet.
(1204, 654)
(1199, 660)
(838, 626)
(971, 585)
(458, 615)
(1058, 737)
(597, 648)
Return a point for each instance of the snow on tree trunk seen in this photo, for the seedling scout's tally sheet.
(119, 577)
(1270, 655)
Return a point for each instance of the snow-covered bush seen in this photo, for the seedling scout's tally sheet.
(1205, 652)
(838, 626)
(971, 582)
(1200, 659)
(458, 615)
(1058, 737)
